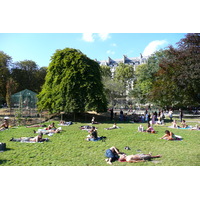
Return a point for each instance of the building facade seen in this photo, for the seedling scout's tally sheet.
(113, 63)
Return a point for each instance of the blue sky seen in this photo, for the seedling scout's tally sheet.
(39, 47)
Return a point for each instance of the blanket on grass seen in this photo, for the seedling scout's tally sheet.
(188, 128)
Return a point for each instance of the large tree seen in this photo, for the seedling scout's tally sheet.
(146, 77)
(73, 84)
(178, 79)
(28, 75)
(5, 62)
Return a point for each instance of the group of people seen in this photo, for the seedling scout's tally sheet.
(39, 138)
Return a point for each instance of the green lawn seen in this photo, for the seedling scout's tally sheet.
(69, 148)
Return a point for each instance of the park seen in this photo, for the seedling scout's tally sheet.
(70, 148)
(76, 88)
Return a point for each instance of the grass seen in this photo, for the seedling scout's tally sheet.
(69, 148)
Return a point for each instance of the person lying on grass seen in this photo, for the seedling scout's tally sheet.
(113, 127)
(168, 136)
(136, 157)
(36, 125)
(64, 123)
(86, 128)
(5, 125)
(112, 154)
(38, 138)
(45, 132)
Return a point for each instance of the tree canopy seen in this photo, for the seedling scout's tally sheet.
(179, 76)
(73, 84)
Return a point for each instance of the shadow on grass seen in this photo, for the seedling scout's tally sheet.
(3, 161)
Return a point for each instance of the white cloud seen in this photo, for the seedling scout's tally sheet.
(113, 45)
(88, 37)
(153, 46)
(110, 52)
(104, 36)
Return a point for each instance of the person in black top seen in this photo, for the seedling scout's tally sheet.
(93, 134)
(5, 125)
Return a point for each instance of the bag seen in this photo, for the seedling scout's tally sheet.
(2, 146)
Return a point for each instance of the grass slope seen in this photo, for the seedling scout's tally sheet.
(69, 148)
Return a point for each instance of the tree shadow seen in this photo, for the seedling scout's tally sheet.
(3, 161)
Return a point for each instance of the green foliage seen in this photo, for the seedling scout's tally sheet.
(72, 84)
(28, 76)
(105, 71)
(5, 61)
(69, 148)
(179, 77)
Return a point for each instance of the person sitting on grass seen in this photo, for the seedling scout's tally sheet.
(51, 126)
(93, 121)
(168, 136)
(38, 138)
(5, 125)
(112, 155)
(140, 128)
(150, 129)
(184, 125)
(174, 124)
(93, 135)
(86, 127)
(113, 127)
(137, 157)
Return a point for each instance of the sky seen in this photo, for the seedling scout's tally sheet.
(39, 47)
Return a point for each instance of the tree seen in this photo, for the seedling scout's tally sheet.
(73, 84)
(5, 61)
(179, 75)
(24, 73)
(11, 88)
(125, 74)
(146, 77)
(28, 75)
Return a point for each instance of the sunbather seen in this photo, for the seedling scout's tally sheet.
(93, 121)
(5, 125)
(168, 136)
(38, 138)
(174, 124)
(51, 126)
(140, 128)
(36, 125)
(150, 129)
(93, 134)
(63, 123)
(137, 157)
(112, 154)
(184, 125)
(45, 131)
(113, 127)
